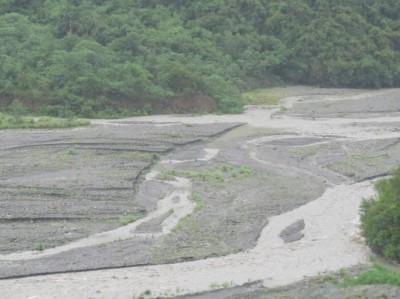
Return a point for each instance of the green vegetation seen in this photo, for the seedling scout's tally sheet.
(380, 218)
(39, 247)
(223, 285)
(143, 295)
(181, 224)
(71, 152)
(166, 176)
(235, 171)
(220, 174)
(202, 175)
(269, 96)
(147, 293)
(126, 219)
(110, 58)
(197, 199)
(27, 122)
(374, 275)
(245, 171)
(282, 108)
(194, 196)
(17, 110)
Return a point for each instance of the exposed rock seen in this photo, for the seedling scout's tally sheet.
(293, 232)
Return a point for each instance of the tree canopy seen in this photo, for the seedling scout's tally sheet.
(82, 57)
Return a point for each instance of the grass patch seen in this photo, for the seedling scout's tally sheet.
(181, 223)
(218, 174)
(268, 96)
(39, 246)
(376, 274)
(223, 285)
(166, 177)
(197, 199)
(27, 122)
(126, 219)
(244, 171)
(71, 152)
(194, 196)
(235, 171)
(194, 174)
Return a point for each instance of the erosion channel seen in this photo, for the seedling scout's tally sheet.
(174, 205)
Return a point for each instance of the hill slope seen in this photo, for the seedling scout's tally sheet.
(97, 56)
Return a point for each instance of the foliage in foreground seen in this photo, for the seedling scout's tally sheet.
(86, 57)
(380, 218)
(27, 122)
(374, 275)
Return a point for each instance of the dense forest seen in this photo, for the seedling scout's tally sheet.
(98, 57)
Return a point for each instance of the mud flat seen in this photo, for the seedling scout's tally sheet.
(186, 204)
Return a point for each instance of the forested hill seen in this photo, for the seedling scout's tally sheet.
(81, 57)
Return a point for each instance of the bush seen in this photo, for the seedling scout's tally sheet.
(58, 111)
(380, 218)
(17, 110)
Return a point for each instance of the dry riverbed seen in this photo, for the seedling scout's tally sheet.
(174, 205)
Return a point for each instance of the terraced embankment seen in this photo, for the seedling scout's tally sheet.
(273, 200)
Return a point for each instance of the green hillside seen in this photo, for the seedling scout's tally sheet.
(98, 57)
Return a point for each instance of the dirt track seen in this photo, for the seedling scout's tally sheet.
(312, 161)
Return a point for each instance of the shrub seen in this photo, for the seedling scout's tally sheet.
(58, 111)
(380, 218)
(39, 246)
